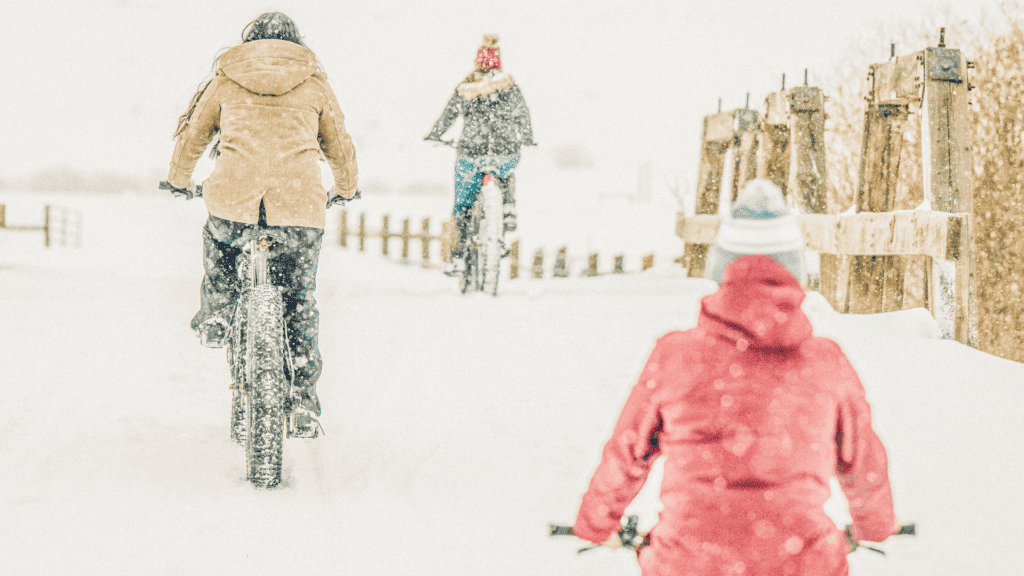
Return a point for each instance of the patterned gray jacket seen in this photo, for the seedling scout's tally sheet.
(496, 119)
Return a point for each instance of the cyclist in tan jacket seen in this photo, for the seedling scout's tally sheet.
(272, 114)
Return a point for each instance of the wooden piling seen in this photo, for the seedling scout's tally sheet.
(513, 260)
(425, 242)
(538, 264)
(405, 240)
(362, 232)
(561, 266)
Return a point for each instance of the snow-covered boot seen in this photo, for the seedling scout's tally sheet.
(214, 333)
(457, 265)
(304, 414)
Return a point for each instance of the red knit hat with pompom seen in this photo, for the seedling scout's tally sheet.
(488, 57)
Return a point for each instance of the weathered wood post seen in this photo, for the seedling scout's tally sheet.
(744, 149)
(3, 216)
(405, 240)
(648, 262)
(773, 156)
(807, 174)
(343, 228)
(561, 267)
(946, 153)
(425, 242)
(46, 226)
(362, 231)
(876, 283)
(538, 263)
(617, 267)
(447, 240)
(513, 260)
(591, 265)
(717, 137)
(385, 235)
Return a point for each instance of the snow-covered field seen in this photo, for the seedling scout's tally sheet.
(457, 427)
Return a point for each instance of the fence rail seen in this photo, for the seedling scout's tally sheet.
(560, 268)
(61, 226)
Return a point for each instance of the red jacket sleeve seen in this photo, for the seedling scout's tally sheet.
(625, 462)
(862, 466)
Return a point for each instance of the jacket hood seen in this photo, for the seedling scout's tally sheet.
(268, 67)
(759, 303)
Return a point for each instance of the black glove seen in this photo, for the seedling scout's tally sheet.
(341, 200)
(189, 193)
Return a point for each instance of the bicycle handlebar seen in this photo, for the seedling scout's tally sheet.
(628, 535)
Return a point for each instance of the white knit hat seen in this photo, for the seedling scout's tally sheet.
(759, 222)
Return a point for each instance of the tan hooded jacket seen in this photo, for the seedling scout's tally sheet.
(275, 113)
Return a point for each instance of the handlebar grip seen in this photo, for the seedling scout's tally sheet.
(557, 530)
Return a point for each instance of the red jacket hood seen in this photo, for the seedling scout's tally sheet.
(757, 303)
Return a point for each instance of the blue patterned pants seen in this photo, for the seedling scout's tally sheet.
(469, 177)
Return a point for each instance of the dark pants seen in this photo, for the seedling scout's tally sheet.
(292, 266)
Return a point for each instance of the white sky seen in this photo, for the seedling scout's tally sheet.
(100, 85)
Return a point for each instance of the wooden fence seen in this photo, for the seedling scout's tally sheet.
(865, 252)
(424, 237)
(61, 226)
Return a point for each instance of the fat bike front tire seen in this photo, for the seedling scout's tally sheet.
(236, 364)
(266, 387)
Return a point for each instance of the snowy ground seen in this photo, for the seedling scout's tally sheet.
(457, 427)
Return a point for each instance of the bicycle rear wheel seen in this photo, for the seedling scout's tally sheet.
(266, 387)
(471, 275)
(489, 235)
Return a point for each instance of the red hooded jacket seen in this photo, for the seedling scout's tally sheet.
(753, 415)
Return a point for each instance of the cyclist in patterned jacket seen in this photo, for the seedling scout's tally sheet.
(496, 124)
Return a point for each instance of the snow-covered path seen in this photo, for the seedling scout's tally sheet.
(457, 427)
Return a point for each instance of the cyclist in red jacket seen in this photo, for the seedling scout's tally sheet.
(753, 415)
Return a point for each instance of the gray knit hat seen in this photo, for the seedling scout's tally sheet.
(759, 222)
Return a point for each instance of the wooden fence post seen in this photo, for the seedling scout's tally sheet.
(405, 240)
(384, 235)
(538, 264)
(591, 265)
(946, 153)
(716, 138)
(513, 264)
(773, 155)
(648, 262)
(561, 266)
(343, 228)
(46, 226)
(425, 242)
(3, 216)
(876, 282)
(617, 269)
(362, 231)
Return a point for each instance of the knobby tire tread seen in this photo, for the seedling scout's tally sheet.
(266, 387)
